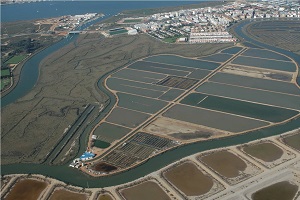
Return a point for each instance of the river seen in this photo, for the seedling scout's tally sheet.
(75, 177)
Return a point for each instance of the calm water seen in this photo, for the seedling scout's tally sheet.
(241, 33)
(29, 11)
(75, 177)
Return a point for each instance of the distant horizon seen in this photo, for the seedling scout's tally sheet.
(24, 1)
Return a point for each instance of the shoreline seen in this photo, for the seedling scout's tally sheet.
(246, 32)
(101, 83)
(18, 69)
(152, 174)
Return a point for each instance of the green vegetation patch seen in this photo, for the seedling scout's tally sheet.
(16, 59)
(278, 191)
(258, 111)
(172, 39)
(5, 72)
(5, 82)
(293, 141)
(267, 152)
(132, 20)
(118, 32)
(101, 144)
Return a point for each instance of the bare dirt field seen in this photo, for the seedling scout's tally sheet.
(62, 194)
(293, 141)
(180, 130)
(147, 191)
(278, 191)
(267, 152)
(225, 163)
(105, 197)
(189, 179)
(26, 190)
(257, 73)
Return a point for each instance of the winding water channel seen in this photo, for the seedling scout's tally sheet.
(75, 177)
(30, 70)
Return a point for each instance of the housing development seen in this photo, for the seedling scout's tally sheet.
(210, 24)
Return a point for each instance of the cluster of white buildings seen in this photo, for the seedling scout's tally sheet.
(211, 37)
(69, 22)
(210, 24)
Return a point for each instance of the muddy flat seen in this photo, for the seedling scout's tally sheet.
(26, 190)
(225, 163)
(62, 194)
(105, 197)
(145, 191)
(189, 179)
(278, 191)
(293, 141)
(179, 129)
(267, 152)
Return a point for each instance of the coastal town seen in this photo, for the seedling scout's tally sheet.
(150, 100)
(204, 25)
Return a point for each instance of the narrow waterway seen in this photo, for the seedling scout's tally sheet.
(30, 70)
(75, 177)
(242, 33)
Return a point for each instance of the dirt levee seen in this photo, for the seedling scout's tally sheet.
(62, 194)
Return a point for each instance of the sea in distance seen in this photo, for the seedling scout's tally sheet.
(48, 9)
